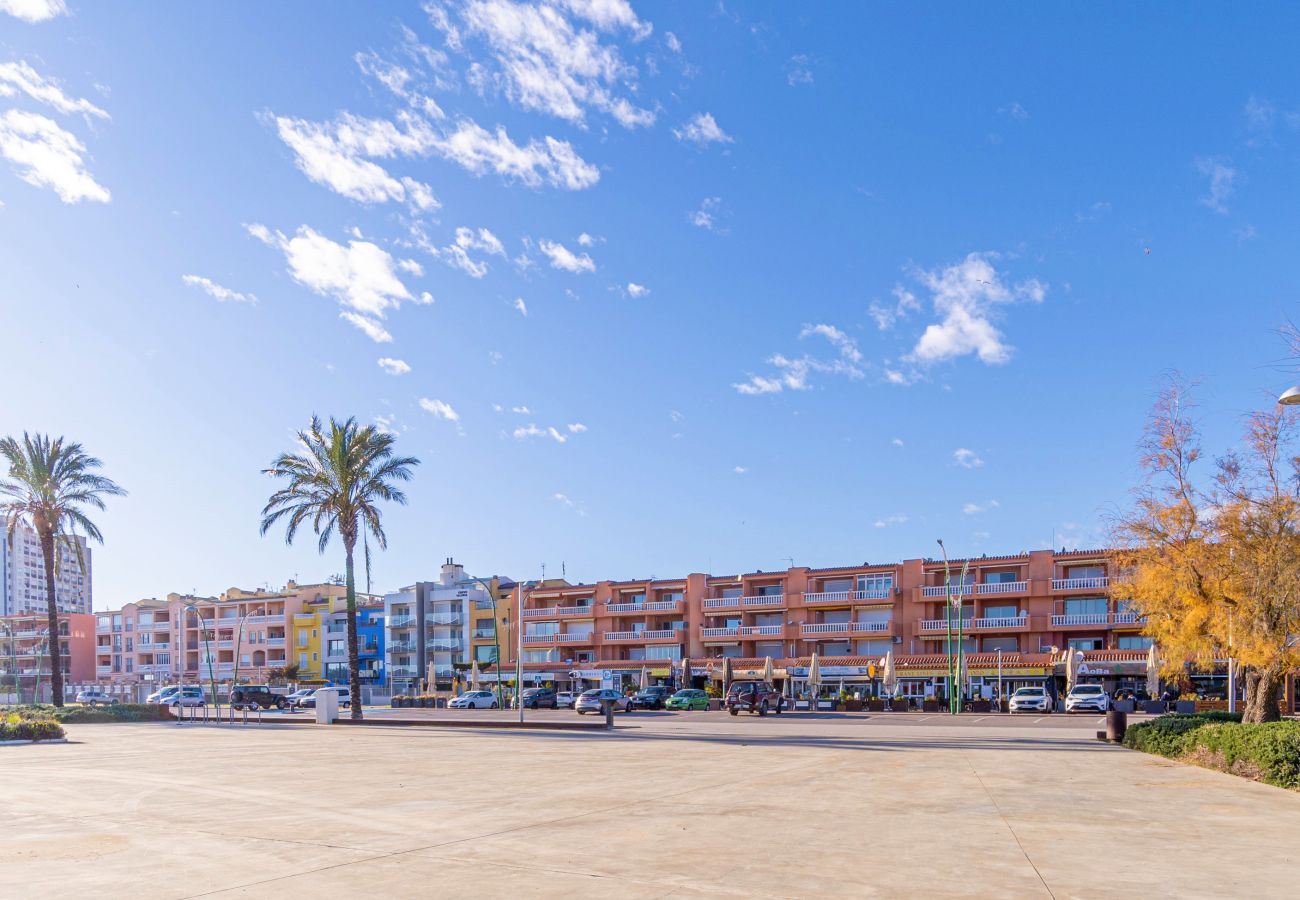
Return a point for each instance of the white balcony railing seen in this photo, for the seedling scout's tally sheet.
(400, 621)
(1081, 619)
(964, 588)
(827, 628)
(762, 631)
(720, 602)
(823, 598)
(934, 625)
(1002, 587)
(872, 627)
(1096, 583)
(540, 638)
(445, 644)
(724, 632)
(1001, 622)
(541, 612)
(162, 626)
(580, 637)
(275, 642)
(622, 635)
(442, 619)
(1128, 618)
(763, 600)
(662, 634)
(103, 670)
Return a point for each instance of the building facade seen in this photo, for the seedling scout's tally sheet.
(22, 575)
(320, 640)
(25, 656)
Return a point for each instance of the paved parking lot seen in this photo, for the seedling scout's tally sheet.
(666, 805)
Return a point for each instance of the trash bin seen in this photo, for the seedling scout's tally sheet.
(1116, 725)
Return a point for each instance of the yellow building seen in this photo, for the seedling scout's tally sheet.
(319, 639)
(481, 629)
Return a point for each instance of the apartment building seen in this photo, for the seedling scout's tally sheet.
(1020, 609)
(22, 575)
(435, 629)
(320, 639)
(24, 649)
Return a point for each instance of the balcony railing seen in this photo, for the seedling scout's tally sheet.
(1095, 583)
(719, 602)
(664, 634)
(543, 612)
(484, 634)
(402, 671)
(401, 647)
(826, 628)
(824, 598)
(539, 638)
(1081, 619)
(581, 637)
(872, 627)
(658, 635)
(1128, 618)
(442, 619)
(162, 626)
(762, 631)
(1002, 587)
(103, 670)
(964, 588)
(444, 644)
(723, 632)
(274, 619)
(401, 621)
(103, 629)
(1000, 622)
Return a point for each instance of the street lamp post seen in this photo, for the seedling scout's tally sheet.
(954, 700)
(207, 651)
(496, 635)
(1290, 397)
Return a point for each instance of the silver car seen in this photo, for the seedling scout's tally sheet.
(474, 700)
(590, 701)
(96, 698)
(1030, 699)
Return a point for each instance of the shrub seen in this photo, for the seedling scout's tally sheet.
(1269, 751)
(14, 727)
(81, 715)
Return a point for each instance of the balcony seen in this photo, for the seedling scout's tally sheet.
(531, 640)
(103, 670)
(1069, 621)
(1002, 587)
(276, 619)
(715, 633)
(872, 627)
(484, 634)
(1096, 583)
(582, 637)
(753, 631)
(447, 644)
(275, 642)
(442, 619)
(652, 606)
(833, 598)
(401, 647)
(1128, 618)
(304, 618)
(103, 629)
(401, 621)
(826, 628)
(402, 671)
(641, 636)
(964, 588)
(551, 612)
(162, 626)
(999, 622)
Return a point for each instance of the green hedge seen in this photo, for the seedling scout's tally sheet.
(14, 727)
(81, 715)
(1269, 752)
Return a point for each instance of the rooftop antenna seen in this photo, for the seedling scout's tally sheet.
(789, 559)
(564, 573)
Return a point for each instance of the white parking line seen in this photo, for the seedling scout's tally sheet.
(982, 718)
(1044, 718)
(924, 718)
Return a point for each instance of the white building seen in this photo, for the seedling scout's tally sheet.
(429, 628)
(22, 575)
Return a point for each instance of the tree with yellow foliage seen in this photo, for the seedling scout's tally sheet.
(1214, 564)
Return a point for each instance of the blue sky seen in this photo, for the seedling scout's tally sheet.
(819, 283)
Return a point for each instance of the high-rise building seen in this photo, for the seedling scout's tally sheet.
(22, 575)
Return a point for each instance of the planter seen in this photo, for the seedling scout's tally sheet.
(928, 705)
(1124, 706)
(1185, 706)
(875, 706)
(827, 704)
(853, 706)
(1153, 707)
(395, 704)
(981, 706)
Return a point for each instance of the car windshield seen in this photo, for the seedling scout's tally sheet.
(594, 692)
(1086, 689)
(1029, 692)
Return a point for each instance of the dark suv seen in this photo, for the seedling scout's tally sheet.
(755, 697)
(535, 697)
(257, 696)
(651, 698)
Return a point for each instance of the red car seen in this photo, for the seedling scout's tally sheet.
(755, 697)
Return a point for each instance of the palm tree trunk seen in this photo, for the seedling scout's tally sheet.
(354, 657)
(52, 623)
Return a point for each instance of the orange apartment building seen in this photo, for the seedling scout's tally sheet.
(24, 650)
(1028, 606)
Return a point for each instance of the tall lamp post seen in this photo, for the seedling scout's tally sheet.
(954, 699)
(207, 651)
(496, 634)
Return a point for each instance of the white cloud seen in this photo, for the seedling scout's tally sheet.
(891, 520)
(637, 290)
(439, 409)
(334, 155)
(1014, 111)
(394, 366)
(549, 161)
(545, 61)
(893, 376)
(846, 345)
(212, 289)
(740, 470)
(577, 427)
(387, 425)
(905, 302)
(531, 430)
(587, 240)
(974, 509)
(897, 442)
(521, 306)
(793, 374)
(799, 70)
(34, 10)
(707, 215)
(966, 296)
(19, 76)
(361, 276)
(673, 42)
(563, 258)
(702, 130)
(521, 410)
(1222, 182)
(562, 498)
(44, 155)
(967, 459)
(457, 253)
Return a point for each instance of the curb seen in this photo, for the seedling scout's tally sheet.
(19, 743)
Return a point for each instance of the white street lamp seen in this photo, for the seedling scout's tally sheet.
(1290, 397)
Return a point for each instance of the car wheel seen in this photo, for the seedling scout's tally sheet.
(779, 705)
(762, 708)
(494, 705)
(582, 712)
(734, 711)
(281, 704)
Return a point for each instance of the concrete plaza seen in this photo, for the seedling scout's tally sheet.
(667, 805)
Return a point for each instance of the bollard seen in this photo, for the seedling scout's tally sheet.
(608, 706)
(1116, 725)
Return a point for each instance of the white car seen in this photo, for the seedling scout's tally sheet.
(309, 701)
(1030, 699)
(566, 699)
(295, 699)
(161, 695)
(590, 701)
(474, 700)
(1087, 698)
(189, 695)
(95, 698)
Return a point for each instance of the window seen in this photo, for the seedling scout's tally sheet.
(485, 653)
(302, 638)
(1086, 606)
(1133, 642)
(670, 651)
(875, 582)
(337, 648)
(130, 664)
(671, 596)
(1089, 571)
(837, 585)
(771, 590)
(541, 628)
(162, 659)
(731, 592)
(773, 649)
(1085, 643)
(874, 647)
(530, 656)
(999, 577)
(1005, 644)
(1001, 612)
(302, 660)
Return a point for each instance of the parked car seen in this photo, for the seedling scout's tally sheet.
(295, 699)
(161, 695)
(257, 696)
(1030, 699)
(535, 697)
(591, 701)
(186, 695)
(474, 700)
(566, 699)
(1087, 698)
(92, 697)
(754, 697)
(345, 698)
(688, 698)
(654, 697)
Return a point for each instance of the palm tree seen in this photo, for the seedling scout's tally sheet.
(336, 485)
(49, 486)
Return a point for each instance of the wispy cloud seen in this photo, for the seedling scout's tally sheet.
(562, 257)
(212, 289)
(531, 430)
(439, 409)
(34, 10)
(577, 428)
(1223, 178)
(1014, 111)
(394, 366)
(974, 509)
(637, 290)
(799, 70)
(740, 470)
(966, 458)
(794, 373)
(520, 305)
(20, 76)
(707, 215)
(703, 129)
(888, 521)
(45, 155)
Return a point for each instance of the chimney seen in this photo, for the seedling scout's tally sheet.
(452, 572)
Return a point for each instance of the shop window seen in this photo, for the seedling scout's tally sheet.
(1005, 644)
